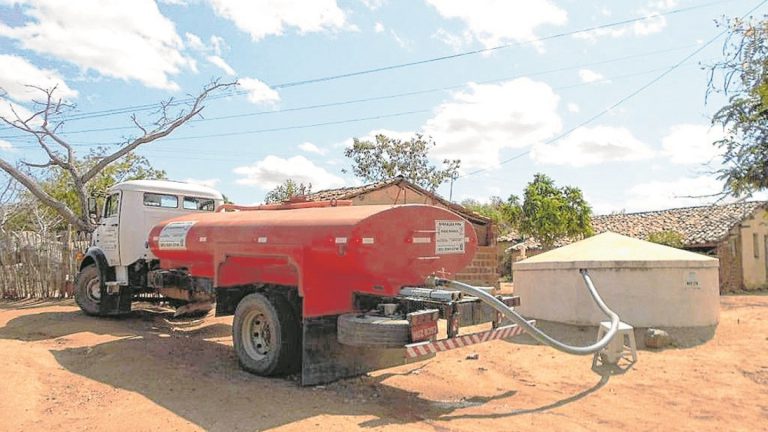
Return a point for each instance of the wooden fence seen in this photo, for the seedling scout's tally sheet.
(36, 266)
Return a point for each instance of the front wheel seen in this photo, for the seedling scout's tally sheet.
(265, 333)
(88, 290)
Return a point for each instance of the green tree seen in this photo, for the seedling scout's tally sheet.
(550, 213)
(667, 238)
(286, 191)
(389, 157)
(742, 76)
(504, 214)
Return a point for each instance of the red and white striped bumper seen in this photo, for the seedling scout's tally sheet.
(426, 348)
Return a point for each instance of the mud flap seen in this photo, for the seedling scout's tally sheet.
(325, 360)
(115, 304)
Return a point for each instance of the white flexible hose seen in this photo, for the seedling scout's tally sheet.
(533, 331)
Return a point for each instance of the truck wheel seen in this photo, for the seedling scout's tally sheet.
(265, 333)
(372, 331)
(88, 290)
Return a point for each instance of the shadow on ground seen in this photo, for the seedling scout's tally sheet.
(178, 367)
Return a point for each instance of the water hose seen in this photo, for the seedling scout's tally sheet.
(537, 334)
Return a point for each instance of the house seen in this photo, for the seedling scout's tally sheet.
(736, 234)
(482, 271)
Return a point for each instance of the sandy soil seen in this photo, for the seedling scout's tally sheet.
(61, 370)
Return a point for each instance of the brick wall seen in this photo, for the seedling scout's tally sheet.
(483, 271)
(729, 252)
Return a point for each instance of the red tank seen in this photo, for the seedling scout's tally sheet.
(328, 253)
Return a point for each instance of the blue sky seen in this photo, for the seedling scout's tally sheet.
(538, 104)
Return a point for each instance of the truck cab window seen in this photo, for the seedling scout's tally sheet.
(204, 204)
(112, 205)
(161, 200)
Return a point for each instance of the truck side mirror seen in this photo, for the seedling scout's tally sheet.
(93, 210)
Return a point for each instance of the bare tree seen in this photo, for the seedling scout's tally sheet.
(45, 127)
(9, 200)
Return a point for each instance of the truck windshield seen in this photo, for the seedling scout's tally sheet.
(204, 204)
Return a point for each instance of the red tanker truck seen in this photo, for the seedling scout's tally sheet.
(326, 289)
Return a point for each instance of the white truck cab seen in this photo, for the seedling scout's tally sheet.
(133, 207)
(119, 249)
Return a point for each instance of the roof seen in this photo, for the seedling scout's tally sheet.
(167, 186)
(355, 191)
(699, 226)
(611, 250)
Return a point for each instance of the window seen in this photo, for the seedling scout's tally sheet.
(161, 200)
(756, 245)
(112, 206)
(204, 204)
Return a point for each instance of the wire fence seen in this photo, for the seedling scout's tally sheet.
(39, 266)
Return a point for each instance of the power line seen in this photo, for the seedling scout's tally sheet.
(625, 98)
(389, 96)
(145, 107)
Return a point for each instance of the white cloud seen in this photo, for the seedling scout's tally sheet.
(194, 41)
(6, 146)
(682, 192)
(274, 170)
(591, 146)
(572, 107)
(7, 109)
(119, 39)
(653, 23)
(272, 17)
(258, 92)
(371, 136)
(373, 4)
(16, 74)
(379, 27)
(220, 63)
(403, 43)
(175, 2)
(478, 123)
(495, 22)
(311, 148)
(211, 183)
(456, 42)
(589, 76)
(218, 44)
(691, 144)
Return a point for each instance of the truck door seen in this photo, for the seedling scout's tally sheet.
(108, 229)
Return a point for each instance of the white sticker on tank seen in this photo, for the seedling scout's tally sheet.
(367, 240)
(174, 235)
(417, 240)
(262, 240)
(449, 237)
(341, 240)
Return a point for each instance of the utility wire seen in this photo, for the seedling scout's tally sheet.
(625, 98)
(145, 107)
(385, 97)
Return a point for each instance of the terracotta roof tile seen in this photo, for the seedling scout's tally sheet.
(703, 225)
(352, 192)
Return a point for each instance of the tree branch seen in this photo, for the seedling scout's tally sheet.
(161, 132)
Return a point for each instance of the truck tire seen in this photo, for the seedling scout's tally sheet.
(88, 290)
(372, 331)
(265, 333)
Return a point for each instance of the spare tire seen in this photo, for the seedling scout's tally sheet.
(373, 331)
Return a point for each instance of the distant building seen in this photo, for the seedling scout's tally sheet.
(482, 271)
(736, 234)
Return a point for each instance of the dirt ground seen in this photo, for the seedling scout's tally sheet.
(61, 370)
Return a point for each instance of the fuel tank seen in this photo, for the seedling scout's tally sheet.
(329, 253)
